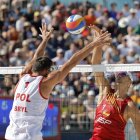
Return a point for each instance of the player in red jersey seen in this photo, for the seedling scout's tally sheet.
(114, 106)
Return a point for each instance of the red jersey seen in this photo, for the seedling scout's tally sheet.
(109, 123)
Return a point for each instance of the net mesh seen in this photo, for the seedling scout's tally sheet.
(84, 68)
(77, 94)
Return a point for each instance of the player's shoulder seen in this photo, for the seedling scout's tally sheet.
(131, 108)
(24, 72)
(49, 79)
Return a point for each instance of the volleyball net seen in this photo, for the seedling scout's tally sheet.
(76, 94)
(84, 68)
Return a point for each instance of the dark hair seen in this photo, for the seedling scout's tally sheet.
(42, 63)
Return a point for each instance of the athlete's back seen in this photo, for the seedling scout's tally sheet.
(28, 110)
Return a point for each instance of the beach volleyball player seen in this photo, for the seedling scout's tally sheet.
(35, 85)
(114, 106)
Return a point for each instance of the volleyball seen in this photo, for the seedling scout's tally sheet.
(75, 24)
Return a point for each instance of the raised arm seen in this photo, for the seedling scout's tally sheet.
(100, 80)
(45, 34)
(58, 76)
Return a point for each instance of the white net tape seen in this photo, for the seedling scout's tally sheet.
(83, 68)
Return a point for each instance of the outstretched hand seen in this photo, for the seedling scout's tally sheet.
(45, 33)
(101, 37)
(97, 30)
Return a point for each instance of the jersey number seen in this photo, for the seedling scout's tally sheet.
(26, 84)
(103, 107)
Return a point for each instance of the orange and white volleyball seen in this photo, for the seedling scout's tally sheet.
(75, 24)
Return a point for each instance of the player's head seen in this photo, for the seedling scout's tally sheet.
(121, 80)
(121, 75)
(42, 65)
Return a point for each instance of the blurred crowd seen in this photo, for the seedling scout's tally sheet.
(19, 38)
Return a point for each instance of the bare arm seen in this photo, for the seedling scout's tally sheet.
(99, 76)
(41, 48)
(134, 114)
(101, 82)
(58, 76)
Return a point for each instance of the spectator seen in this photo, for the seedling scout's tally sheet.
(20, 23)
(103, 20)
(90, 17)
(59, 59)
(112, 55)
(89, 111)
(42, 4)
(125, 10)
(136, 95)
(137, 7)
(124, 49)
(70, 52)
(99, 10)
(12, 34)
(27, 32)
(37, 21)
(131, 56)
(131, 37)
(77, 87)
(112, 27)
(132, 19)
(113, 12)
(30, 12)
(89, 104)
(46, 14)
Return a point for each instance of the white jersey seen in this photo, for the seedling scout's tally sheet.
(28, 111)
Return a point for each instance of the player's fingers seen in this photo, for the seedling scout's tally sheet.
(89, 26)
(105, 35)
(40, 35)
(45, 26)
(108, 44)
(51, 30)
(104, 44)
(102, 31)
(96, 34)
(42, 25)
(48, 34)
(107, 40)
(40, 29)
(95, 28)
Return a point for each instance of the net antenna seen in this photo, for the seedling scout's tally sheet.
(84, 68)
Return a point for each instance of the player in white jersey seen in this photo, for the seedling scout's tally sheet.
(35, 85)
